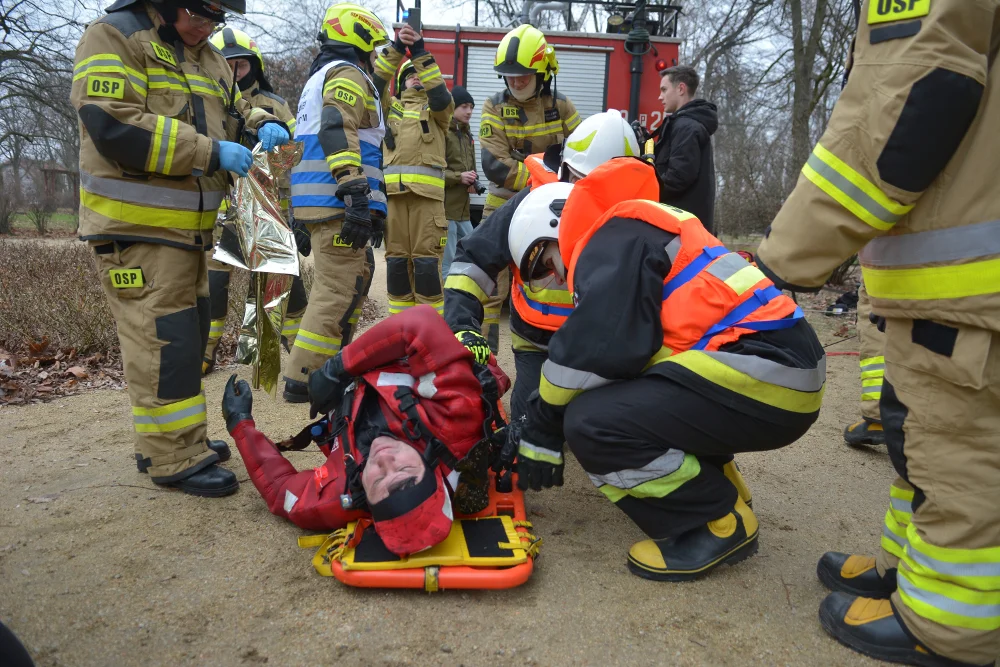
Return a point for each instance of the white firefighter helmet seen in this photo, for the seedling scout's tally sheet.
(598, 139)
(535, 222)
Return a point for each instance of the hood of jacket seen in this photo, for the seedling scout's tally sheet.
(703, 111)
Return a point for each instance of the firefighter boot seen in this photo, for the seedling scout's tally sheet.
(872, 628)
(208, 363)
(864, 432)
(733, 474)
(729, 539)
(855, 575)
(295, 391)
(209, 482)
(218, 446)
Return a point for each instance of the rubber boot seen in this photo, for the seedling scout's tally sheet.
(218, 446)
(697, 552)
(864, 432)
(733, 474)
(209, 482)
(872, 628)
(855, 575)
(295, 391)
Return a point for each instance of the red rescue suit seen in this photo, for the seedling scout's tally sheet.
(414, 349)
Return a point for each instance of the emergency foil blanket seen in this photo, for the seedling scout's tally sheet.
(255, 236)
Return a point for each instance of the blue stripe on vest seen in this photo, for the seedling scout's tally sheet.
(544, 308)
(760, 298)
(707, 256)
(313, 150)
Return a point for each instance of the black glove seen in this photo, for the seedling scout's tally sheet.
(641, 134)
(326, 386)
(357, 229)
(476, 344)
(303, 239)
(237, 402)
(378, 228)
(504, 460)
(879, 322)
(539, 459)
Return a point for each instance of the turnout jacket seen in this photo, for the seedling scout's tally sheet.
(415, 138)
(510, 130)
(152, 113)
(460, 155)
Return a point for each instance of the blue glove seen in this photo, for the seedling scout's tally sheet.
(272, 135)
(235, 158)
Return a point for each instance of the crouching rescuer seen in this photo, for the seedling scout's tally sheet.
(159, 120)
(409, 422)
(664, 369)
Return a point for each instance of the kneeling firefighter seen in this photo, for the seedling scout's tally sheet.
(662, 372)
(409, 426)
(536, 312)
(247, 63)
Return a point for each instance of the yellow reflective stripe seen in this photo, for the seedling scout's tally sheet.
(384, 67)
(494, 201)
(526, 131)
(744, 279)
(947, 603)
(314, 342)
(429, 73)
(741, 383)
(893, 534)
(491, 315)
(154, 151)
(203, 84)
(487, 117)
(554, 394)
(171, 145)
(852, 190)
(355, 316)
(872, 367)
(338, 161)
(523, 344)
(414, 178)
(159, 78)
(291, 327)
(574, 121)
(934, 282)
(216, 328)
(521, 180)
(658, 357)
(171, 417)
(146, 215)
(439, 307)
(535, 453)
(291, 126)
(400, 306)
(466, 284)
(657, 488)
(558, 296)
(978, 569)
(872, 382)
(346, 84)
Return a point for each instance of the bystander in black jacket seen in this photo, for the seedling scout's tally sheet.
(684, 162)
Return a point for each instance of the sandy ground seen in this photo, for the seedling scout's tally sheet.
(100, 567)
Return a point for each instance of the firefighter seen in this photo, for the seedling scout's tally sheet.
(871, 342)
(414, 349)
(662, 372)
(490, 249)
(526, 117)
(922, 209)
(158, 126)
(247, 63)
(337, 189)
(417, 229)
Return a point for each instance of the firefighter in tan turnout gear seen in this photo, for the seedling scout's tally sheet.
(525, 118)
(417, 230)
(159, 115)
(337, 189)
(245, 59)
(907, 171)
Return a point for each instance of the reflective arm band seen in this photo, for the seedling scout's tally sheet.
(346, 84)
(466, 284)
(340, 161)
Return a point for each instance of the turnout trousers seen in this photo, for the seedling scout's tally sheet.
(941, 414)
(342, 277)
(656, 448)
(219, 275)
(871, 343)
(416, 236)
(158, 295)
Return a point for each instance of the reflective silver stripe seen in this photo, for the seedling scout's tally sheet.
(673, 248)
(894, 537)
(320, 166)
(799, 379)
(144, 193)
(661, 466)
(328, 189)
(874, 389)
(570, 378)
(945, 603)
(727, 266)
(164, 78)
(541, 451)
(421, 171)
(161, 160)
(500, 192)
(937, 245)
(901, 505)
(472, 271)
(858, 195)
(953, 569)
(212, 199)
(169, 418)
(373, 172)
(379, 196)
(871, 368)
(137, 81)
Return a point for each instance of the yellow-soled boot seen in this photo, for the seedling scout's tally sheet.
(729, 539)
(733, 474)
(864, 432)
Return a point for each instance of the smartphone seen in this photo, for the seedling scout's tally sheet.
(413, 18)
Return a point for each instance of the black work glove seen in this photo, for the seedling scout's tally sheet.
(476, 344)
(326, 386)
(539, 458)
(504, 460)
(641, 133)
(303, 239)
(879, 322)
(378, 228)
(237, 402)
(357, 229)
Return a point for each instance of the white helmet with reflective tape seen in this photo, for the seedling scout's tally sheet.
(598, 139)
(536, 221)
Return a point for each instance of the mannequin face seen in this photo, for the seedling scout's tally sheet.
(391, 464)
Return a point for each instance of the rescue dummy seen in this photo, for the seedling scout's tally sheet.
(663, 371)
(406, 411)
(525, 118)
(905, 176)
(485, 254)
